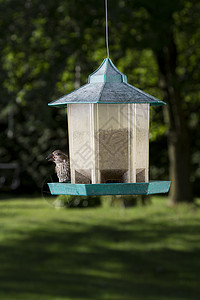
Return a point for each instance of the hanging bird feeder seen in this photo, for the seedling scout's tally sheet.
(108, 122)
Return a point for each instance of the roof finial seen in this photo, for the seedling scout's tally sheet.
(106, 8)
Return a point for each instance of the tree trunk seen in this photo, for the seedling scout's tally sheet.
(178, 138)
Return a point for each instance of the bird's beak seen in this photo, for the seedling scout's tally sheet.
(51, 157)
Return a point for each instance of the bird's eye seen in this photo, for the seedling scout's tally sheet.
(58, 153)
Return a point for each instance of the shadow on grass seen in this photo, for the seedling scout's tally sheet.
(122, 261)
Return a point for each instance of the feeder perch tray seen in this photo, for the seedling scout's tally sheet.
(139, 188)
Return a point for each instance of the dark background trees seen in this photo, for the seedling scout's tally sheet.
(49, 48)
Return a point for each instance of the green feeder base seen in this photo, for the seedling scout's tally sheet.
(139, 188)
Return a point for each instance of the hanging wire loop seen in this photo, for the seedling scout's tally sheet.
(106, 8)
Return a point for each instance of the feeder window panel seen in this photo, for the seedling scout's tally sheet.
(140, 175)
(112, 137)
(83, 176)
(79, 140)
(112, 176)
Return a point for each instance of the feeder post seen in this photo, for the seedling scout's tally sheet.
(142, 142)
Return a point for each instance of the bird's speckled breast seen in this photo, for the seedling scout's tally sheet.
(63, 171)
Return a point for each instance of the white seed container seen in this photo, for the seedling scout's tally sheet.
(108, 142)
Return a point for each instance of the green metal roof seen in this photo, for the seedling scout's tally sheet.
(107, 85)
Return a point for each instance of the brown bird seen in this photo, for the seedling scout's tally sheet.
(62, 165)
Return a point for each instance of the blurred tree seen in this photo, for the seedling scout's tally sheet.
(48, 49)
(162, 27)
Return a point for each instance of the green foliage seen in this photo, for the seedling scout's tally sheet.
(43, 43)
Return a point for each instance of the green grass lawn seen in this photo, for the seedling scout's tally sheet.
(141, 253)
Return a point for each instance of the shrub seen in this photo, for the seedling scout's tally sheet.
(71, 201)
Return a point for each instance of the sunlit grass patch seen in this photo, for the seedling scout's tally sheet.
(149, 252)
